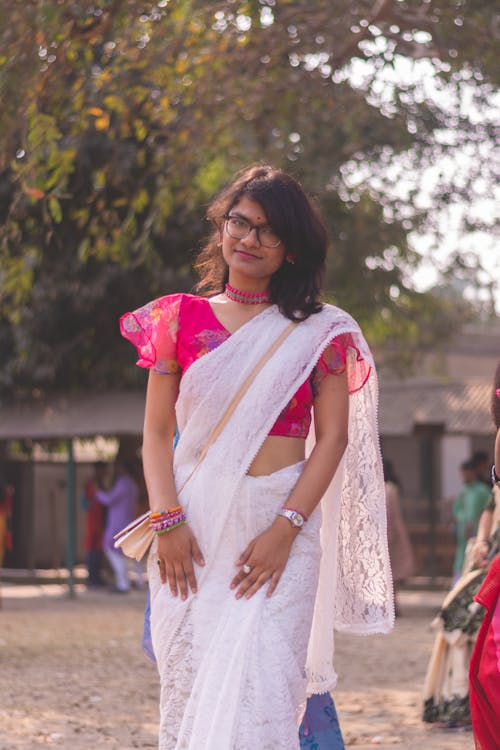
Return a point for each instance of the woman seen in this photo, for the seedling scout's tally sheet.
(467, 509)
(446, 690)
(95, 521)
(485, 663)
(400, 551)
(6, 507)
(244, 594)
(121, 502)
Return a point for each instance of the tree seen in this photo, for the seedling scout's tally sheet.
(122, 119)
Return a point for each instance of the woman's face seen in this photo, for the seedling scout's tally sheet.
(247, 258)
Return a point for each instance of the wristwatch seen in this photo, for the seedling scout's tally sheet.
(296, 519)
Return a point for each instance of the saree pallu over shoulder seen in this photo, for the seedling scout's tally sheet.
(354, 591)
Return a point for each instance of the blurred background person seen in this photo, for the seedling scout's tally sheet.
(481, 463)
(95, 518)
(6, 505)
(446, 691)
(139, 566)
(467, 508)
(121, 502)
(485, 664)
(400, 550)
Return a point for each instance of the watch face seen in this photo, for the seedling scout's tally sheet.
(297, 519)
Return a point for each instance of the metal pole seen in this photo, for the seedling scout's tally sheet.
(70, 519)
(428, 470)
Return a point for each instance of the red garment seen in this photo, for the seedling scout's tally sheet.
(172, 332)
(6, 505)
(94, 519)
(485, 666)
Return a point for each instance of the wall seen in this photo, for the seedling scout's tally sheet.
(39, 519)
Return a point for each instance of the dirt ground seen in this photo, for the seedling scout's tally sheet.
(73, 677)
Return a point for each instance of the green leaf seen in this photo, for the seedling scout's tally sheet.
(55, 209)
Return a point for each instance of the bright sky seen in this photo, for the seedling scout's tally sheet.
(483, 244)
(484, 205)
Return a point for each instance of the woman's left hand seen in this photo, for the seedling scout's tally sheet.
(266, 556)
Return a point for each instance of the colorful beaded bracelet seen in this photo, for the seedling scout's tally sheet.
(169, 528)
(164, 520)
(154, 515)
(167, 522)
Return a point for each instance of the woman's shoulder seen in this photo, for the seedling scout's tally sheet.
(335, 321)
(180, 300)
(177, 299)
(168, 306)
(340, 316)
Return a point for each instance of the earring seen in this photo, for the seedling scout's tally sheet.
(290, 259)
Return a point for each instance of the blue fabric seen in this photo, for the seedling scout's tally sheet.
(147, 643)
(320, 729)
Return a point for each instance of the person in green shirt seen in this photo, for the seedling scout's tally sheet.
(467, 509)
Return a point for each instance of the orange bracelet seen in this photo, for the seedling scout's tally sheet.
(169, 511)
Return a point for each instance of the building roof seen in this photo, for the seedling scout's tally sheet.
(461, 408)
(119, 413)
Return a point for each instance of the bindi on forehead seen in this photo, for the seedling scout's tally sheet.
(246, 215)
(250, 210)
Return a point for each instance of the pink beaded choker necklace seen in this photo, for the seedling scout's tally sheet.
(246, 298)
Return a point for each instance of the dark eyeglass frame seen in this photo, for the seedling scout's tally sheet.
(251, 226)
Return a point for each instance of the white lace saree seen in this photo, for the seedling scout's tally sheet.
(235, 673)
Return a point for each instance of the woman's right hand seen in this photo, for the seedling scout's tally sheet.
(176, 551)
(480, 552)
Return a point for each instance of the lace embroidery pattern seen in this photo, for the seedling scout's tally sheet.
(353, 589)
(232, 676)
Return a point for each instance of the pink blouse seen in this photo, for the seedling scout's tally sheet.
(171, 332)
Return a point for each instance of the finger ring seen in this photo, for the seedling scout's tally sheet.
(246, 569)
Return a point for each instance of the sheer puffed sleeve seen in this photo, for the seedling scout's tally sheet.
(152, 329)
(339, 353)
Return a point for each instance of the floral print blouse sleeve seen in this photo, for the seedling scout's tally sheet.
(341, 353)
(152, 329)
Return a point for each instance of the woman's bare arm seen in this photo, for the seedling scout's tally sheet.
(176, 548)
(497, 453)
(158, 437)
(331, 422)
(268, 553)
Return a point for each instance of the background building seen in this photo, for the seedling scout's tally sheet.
(429, 424)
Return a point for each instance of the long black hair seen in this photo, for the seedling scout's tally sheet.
(295, 287)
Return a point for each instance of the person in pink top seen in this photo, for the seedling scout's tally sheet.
(263, 544)
(6, 508)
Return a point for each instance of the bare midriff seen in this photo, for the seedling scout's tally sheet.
(277, 452)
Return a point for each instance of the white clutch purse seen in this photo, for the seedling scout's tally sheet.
(135, 539)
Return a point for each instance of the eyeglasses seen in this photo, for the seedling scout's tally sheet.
(238, 228)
